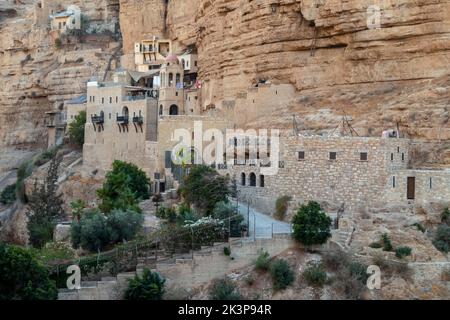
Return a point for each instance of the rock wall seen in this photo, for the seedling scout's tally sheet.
(37, 75)
(325, 49)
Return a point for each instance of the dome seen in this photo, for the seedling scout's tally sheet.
(172, 58)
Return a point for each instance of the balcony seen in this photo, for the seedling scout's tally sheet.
(138, 120)
(97, 119)
(123, 120)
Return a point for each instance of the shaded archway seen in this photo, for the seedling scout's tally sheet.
(252, 180)
(161, 109)
(242, 179)
(173, 111)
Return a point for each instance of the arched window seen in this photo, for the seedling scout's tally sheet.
(125, 111)
(170, 79)
(242, 179)
(173, 111)
(252, 180)
(261, 181)
(177, 78)
(161, 109)
(182, 63)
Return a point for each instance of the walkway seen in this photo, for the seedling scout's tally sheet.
(266, 226)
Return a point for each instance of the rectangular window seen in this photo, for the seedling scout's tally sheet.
(393, 182)
(403, 157)
(392, 157)
(363, 156)
(110, 99)
(117, 99)
(431, 183)
(103, 100)
(333, 155)
(301, 155)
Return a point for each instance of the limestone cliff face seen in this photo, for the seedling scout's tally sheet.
(36, 76)
(326, 50)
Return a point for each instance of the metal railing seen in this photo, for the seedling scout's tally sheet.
(123, 119)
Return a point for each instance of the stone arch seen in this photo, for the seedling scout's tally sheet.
(243, 179)
(252, 179)
(173, 111)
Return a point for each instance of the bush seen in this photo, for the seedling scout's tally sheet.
(8, 195)
(387, 245)
(376, 245)
(359, 271)
(148, 287)
(263, 261)
(168, 214)
(76, 129)
(224, 289)
(281, 206)
(419, 227)
(315, 274)
(442, 238)
(23, 277)
(204, 188)
(402, 252)
(282, 274)
(445, 216)
(311, 225)
(55, 251)
(95, 231)
(227, 251)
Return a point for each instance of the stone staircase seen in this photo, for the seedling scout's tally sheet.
(187, 270)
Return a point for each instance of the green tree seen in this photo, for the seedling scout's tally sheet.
(44, 207)
(282, 274)
(442, 238)
(148, 287)
(23, 277)
(311, 224)
(124, 187)
(225, 210)
(76, 129)
(203, 187)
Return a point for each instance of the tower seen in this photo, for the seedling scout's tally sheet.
(171, 92)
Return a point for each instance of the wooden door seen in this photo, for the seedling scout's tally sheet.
(411, 188)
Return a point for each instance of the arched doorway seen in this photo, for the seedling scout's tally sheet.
(242, 179)
(252, 180)
(173, 111)
(161, 109)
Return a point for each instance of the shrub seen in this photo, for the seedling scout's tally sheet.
(263, 260)
(148, 287)
(227, 251)
(315, 274)
(8, 195)
(76, 129)
(23, 277)
(95, 231)
(419, 227)
(123, 225)
(204, 188)
(402, 252)
(224, 289)
(445, 216)
(55, 251)
(359, 271)
(282, 274)
(442, 238)
(58, 43)
(387, 245)
(311, 225)
(168, 214)
(281, 206)
(376, 245)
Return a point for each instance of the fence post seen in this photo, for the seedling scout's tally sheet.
(272, 230)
